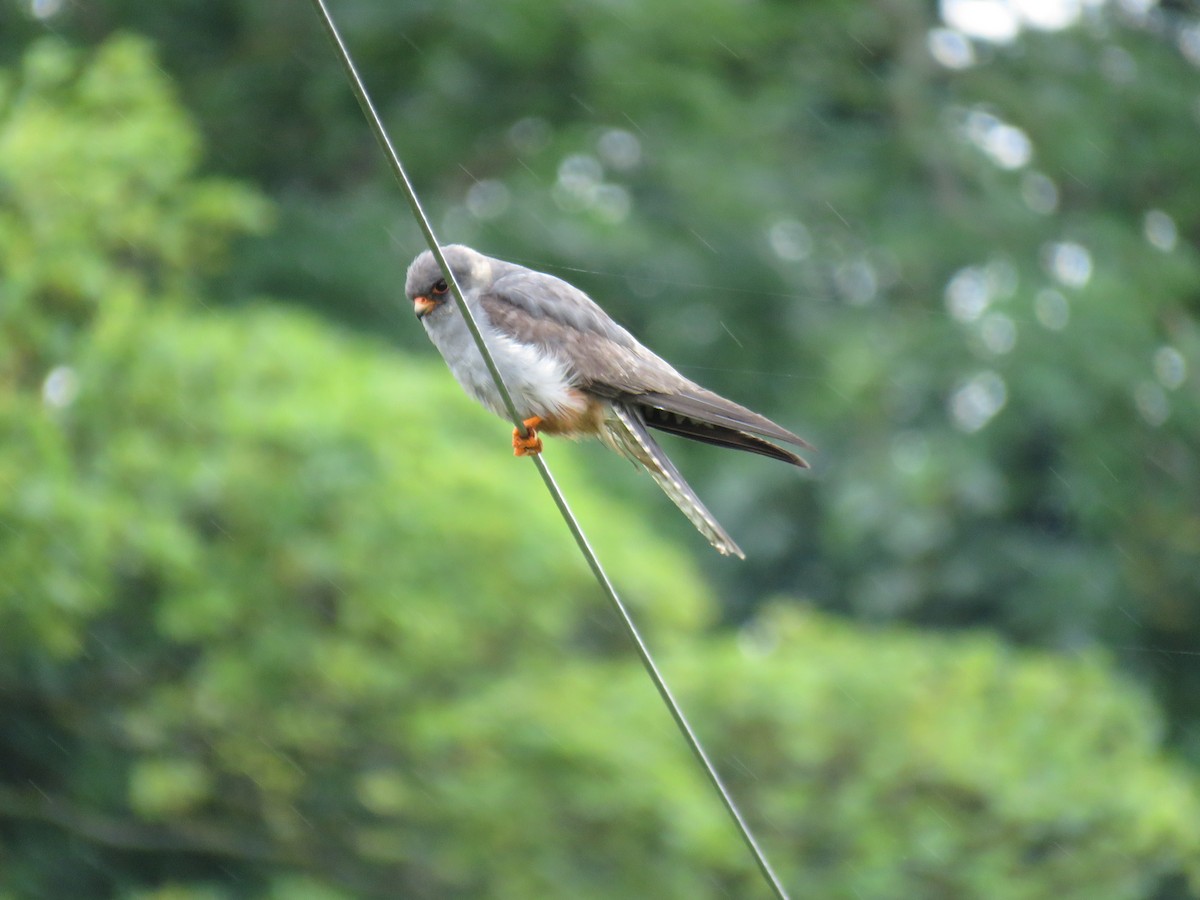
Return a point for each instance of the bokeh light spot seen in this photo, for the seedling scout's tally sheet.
(790, 240)
(488, 199)
(1170, 367)
(977, 399)
(1039, 192)
(1070, 263)
(1160, 230)
(60, 387)
(950, 48)
(1052, 309)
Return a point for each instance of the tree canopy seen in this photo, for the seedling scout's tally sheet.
(279, 616)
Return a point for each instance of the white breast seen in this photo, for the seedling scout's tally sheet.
(540, 382)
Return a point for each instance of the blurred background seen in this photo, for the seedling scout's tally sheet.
(281, 617)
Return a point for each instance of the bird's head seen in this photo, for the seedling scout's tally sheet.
(427, 286)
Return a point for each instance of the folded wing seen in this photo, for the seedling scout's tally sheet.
(605, 360)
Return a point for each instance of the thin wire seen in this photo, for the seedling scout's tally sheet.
(560, 501)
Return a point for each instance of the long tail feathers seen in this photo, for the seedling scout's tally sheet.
(625, 430)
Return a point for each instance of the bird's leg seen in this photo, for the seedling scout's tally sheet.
(531, 444)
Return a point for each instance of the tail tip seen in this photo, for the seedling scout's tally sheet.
(728, 548)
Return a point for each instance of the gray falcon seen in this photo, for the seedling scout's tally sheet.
(573, 371)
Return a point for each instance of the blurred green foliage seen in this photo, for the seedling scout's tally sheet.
(242, 587)
(974, 288)
(279, 617)
(99, 202)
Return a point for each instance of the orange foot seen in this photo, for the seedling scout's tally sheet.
(526, 446)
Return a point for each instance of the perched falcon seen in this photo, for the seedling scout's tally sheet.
(573, 371)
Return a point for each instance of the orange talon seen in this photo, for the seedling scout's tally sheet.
(525, 446)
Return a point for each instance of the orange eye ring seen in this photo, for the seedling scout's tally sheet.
(440, 288)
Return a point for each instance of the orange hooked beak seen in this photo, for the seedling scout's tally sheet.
(422, 305)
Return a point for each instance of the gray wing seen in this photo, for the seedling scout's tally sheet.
(606, 360)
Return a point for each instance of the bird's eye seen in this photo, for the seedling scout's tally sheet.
(440, 286)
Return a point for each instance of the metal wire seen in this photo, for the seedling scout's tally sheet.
(560, 500)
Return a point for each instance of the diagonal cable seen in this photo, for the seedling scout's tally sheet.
(560, 500)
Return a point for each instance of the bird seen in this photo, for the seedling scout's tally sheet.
(572, 370)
